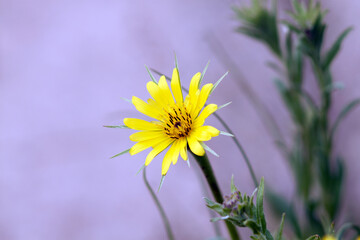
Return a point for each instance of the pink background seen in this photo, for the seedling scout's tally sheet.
(65, 66)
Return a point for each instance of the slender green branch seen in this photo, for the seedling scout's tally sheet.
(160, 208)
(240, 147)
(206, 168)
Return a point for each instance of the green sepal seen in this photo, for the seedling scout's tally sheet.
(123, 152)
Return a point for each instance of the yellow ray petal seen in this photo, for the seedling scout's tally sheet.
(195, 146)
(141, 146)
(165, 91)
(139, 124)
(156, 93)
(145, 108)
(157, 149)
(146, 135)
(194, 84)
(172, 153)
(204, 94)
(176, 86)
(201, 135)
(211, 130)
(206, 112)
(183, 148)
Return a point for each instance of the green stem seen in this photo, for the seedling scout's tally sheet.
(160, 208)
(240, 147)
(206, 168)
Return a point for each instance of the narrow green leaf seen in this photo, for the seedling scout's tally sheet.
(207, 148)
(161, 182)
(346, 110)
(218, 82)
(233, 187)
(120, 126)
(123, 152)
(252, 225)
(219, 218)
(314, 237)
(226, 134)
(260, 206)
(224, 105)
(217, 207)
(279, 234)
(333, 51)
(142, 167)
(151, 76)
(204, 71)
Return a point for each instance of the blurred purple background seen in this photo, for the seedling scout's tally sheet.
(65, 66)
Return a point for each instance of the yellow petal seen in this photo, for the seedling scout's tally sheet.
(139, 124)
(141, 146)
(165, 91)
(201, 135)
(204, 94)
(211, 130)
(206, 112)
(145, 108)
(157, 149)
(195, 146)
(172, 153)
(146, 135)
(194, 84)
(176, 86)
(156, 93)
(183, 148)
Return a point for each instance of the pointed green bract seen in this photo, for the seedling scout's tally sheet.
(218, 82)
(119, 126)
(126, 99)
(119, 154)
(224, 105)
(161, 182)
(204, 71)
(176, 61)
(207, 148)
(226, 134)
(151, 76)
(142, 167)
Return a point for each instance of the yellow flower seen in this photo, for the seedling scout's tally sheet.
(328, 237)
(177, 123)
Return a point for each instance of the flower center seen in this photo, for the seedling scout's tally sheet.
(177, 122)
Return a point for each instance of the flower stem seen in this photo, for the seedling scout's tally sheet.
(206, 168)
(161, 210)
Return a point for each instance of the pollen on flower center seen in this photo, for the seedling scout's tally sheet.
(178, 122)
